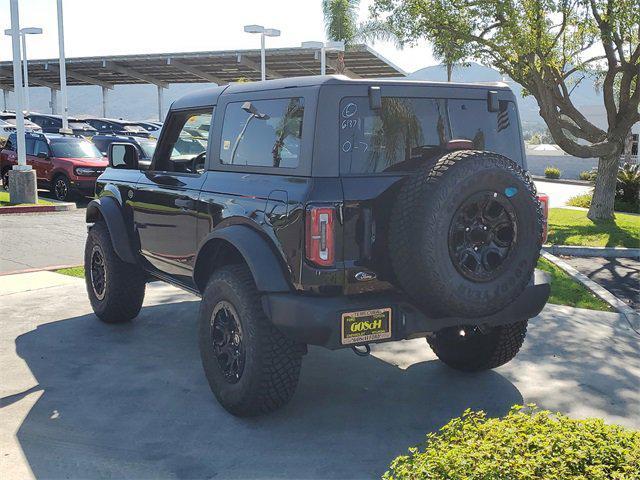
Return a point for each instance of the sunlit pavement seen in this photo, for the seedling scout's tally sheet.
(81, 399)
(560, 193)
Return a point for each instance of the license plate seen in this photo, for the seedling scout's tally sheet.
(366, 326)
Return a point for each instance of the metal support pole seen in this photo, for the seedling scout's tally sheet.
(105, 90)
(63, 69)
(17, 85)
(53, 103)
(4, 99)
(25, 69)
(160, 103)
(323, 60)
(263, 66)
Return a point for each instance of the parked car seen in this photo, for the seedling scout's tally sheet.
(53, 124)
(64, 164)
(332, 212)
(145, 146)
(153, 128)
(10, 119)
(109, 126)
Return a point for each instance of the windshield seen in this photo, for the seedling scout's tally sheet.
(74, 148)
(148, 147)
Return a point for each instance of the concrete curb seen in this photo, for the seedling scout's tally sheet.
(632, 317)
(568, 181)
(604, 252)
(60, 207)
(44, 269)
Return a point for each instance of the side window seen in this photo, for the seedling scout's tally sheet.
(264, 133)
(30, 145)
(41, 147)
(184, 143)
(101, 144)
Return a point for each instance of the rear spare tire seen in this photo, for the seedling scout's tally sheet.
(465, 234)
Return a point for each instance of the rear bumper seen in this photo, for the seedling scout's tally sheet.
(317, 320)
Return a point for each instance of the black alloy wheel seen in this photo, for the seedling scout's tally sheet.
(226, 339)
(61, 188)
(98, 273)
(481, 235)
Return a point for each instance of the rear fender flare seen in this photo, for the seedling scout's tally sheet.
(109, 209)
(266, 268)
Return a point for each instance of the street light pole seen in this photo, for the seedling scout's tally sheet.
(263, 59)
(25, 63)
(324, 47)
(22, 179)
(63, 70)
(17, 85)
(264, 32)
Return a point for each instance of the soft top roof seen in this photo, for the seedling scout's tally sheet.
(209, 96)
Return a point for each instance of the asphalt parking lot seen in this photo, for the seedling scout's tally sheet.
(84, 399)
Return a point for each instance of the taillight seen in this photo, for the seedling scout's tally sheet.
(319, 238)
(543, 198)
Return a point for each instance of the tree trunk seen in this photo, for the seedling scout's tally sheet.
(604, 192)
(627, 147)
(449, 72)
(340, 64)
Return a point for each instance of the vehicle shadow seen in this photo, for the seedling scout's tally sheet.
(132, 401)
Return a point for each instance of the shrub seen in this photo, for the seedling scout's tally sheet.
(526, 444)
(552, 172)
(588, 175)
(583, 200)
(628, 183)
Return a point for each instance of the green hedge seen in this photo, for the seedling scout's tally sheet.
(526, 444)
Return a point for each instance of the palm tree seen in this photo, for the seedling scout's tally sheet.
(341, 24)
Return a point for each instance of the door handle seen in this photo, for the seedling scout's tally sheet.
(185, 203)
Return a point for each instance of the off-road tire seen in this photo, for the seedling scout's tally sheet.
(475, 350)
(272, 362)
(5, 178)
(419, 234)
(125, 283)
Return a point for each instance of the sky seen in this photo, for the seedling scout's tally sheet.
(160, 26)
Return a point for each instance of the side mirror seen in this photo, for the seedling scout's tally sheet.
(123, 156)
(43, 155)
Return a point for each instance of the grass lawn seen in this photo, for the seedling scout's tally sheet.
(572, 227)
(4, 200)
(72, 272)
(566, 291)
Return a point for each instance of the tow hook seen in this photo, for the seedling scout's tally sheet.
(362, 350)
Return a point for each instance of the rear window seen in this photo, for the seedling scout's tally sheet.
(408, 131)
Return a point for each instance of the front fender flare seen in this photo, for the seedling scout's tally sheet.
(266, 268)
(109, 209)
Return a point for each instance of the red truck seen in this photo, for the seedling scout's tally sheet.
(64, 164)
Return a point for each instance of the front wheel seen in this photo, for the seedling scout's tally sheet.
(251, 367)
(115, 288)
(61, 188)
(471, 349)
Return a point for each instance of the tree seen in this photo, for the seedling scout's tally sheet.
(547, 46)
(341, 23)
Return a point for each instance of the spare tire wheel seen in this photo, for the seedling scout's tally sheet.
(465, 234)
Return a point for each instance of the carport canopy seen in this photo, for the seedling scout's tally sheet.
(219, 67)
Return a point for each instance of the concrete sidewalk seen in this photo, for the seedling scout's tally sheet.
(85, 399)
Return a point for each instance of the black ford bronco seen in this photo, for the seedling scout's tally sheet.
(326, 211)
